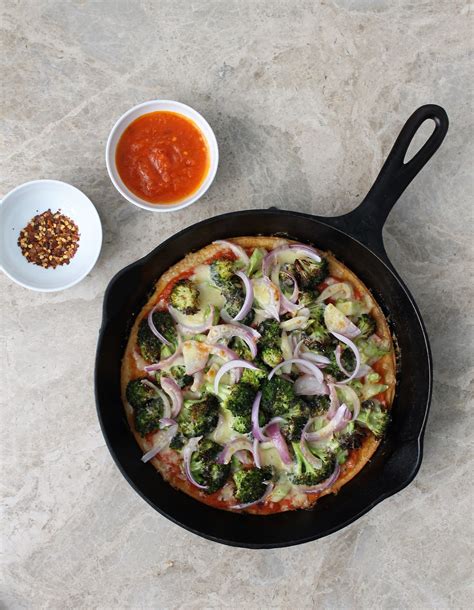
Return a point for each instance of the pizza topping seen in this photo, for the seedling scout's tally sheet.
(199, 322)
(162, 439)
(174, 392)
(280, 363)
(238, 251)
(159, 318)
(185, 297)
(228, 331)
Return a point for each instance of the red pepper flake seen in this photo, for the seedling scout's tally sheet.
(49, 240)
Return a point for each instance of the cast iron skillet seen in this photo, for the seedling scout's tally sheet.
(355, 239)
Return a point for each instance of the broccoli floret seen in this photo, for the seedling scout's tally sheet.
(165, 325)
(251, 484)
(177, 442)
(318, 405)
(240, 399)
(240, 348)
(309, 273)
(205, 469)
(147, 417)
(200, 417)
(305, 474)
(374, 417)
(254, 378)
(277, 396)
(296, 419)
(222, 271)
(307, 298)
(242, 424)
(270, 343)
(320, 339)
(367, 326)
(185, 297)
(148, 343)
(179, 375)
(138, 393)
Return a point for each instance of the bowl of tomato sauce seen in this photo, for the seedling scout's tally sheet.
(162, 155)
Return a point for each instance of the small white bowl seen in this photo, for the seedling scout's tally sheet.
(24, 202)
(155, 106)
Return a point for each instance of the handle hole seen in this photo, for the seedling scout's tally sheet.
(422, 135)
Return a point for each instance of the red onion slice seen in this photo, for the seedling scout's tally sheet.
(334, 404)
(351, 345)
(256, 453)
(162, 395)
(262, 499)
(153, 328)
(276, 437)
(164, 440)
(337, 423)
(304, 365)
(256, 430)
(308, 385)
(229, 366)
(238, 444)
(324, 484)
(188, 451)
(248, 301)
(294, 295)
(237, 250)
(174, 392)
(228, 331)
(285, 304)
(312, 459)
(318, 359)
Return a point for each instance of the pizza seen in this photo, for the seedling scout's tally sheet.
(259, 376)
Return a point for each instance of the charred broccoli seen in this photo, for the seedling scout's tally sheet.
(348, 362)
(254, 378)
(147, 417)
(270, 343)
(240, 399)
(205, 469)
(138, 393)
(185, 297)
(199, 417)
(177, 442)
(309, 273)
(277, 396)
(148, 343)
(251, 484)
(306, 474)
(367, 326)
(179, 375)
(318, 405)
(296, 419)
(374, 417)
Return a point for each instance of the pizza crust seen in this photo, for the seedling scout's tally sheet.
(132, 366)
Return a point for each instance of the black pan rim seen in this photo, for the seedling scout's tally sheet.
(418, 436)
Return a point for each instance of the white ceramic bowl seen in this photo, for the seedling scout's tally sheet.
(155, 106)
(30, 199)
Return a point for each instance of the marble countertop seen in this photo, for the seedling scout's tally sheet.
(306, 99)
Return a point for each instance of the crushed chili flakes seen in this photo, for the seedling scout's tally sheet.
(49, 240)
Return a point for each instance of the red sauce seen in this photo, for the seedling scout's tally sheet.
(162, 157)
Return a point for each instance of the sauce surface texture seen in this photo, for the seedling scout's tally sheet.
(162, 157)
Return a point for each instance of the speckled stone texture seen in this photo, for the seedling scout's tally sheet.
(305, 98)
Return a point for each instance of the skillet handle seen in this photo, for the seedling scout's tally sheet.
(365, 223)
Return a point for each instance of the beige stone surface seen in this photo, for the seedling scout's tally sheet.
(305, 98)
